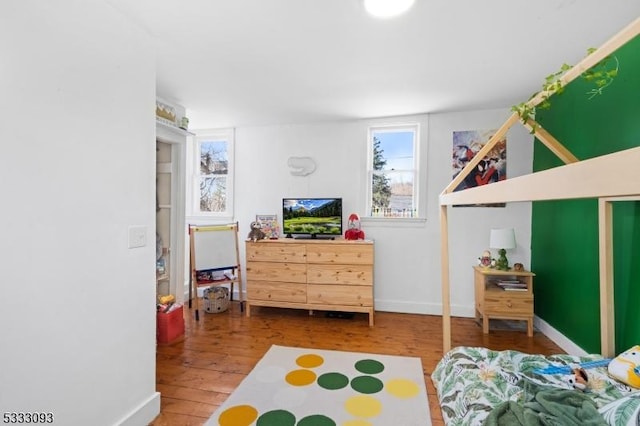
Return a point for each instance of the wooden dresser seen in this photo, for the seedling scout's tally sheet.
(329, 275)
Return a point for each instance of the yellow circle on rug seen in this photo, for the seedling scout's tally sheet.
(357, 422)
(238, 415)
(363, 406)
(300, 377)
(402, 388)
(310, 361)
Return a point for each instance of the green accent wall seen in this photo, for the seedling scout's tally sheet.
(564, 242)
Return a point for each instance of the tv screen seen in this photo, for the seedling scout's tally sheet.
(312, 217)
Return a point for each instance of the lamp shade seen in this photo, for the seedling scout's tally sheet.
(503, 238)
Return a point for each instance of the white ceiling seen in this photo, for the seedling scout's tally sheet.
(257, 62)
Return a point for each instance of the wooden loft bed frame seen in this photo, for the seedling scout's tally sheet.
(575, 179)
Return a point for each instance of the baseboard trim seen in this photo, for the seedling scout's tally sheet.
(144, 413)
(558, 338)
(422, 308)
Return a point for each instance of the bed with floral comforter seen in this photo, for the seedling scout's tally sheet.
(472, 381)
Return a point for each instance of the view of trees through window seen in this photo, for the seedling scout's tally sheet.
(393, 172)
(214, 168)
(381, 186)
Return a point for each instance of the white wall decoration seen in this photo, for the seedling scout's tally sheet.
(301, 166)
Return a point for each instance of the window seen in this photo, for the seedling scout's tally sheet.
(393, 171)
(212, 182)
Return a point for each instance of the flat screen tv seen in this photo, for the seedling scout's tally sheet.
(312, 217)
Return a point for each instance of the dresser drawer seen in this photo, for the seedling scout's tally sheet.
(508, 305)
(323, 294)
(279, 272)
(280, 292)
(340, 274)
(275, 252)
(349, 254)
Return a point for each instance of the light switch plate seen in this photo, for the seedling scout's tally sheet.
(137, 236)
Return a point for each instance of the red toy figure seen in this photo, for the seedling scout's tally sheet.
(354, 232)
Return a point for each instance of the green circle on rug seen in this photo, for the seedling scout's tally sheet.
(276, 418)
(333, 381)
(316, 420)
(366, 384)
(369, 366)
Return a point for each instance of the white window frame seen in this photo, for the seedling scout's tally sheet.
(200, 136)
(418, 207)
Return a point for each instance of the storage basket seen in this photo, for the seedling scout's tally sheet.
(216, 299)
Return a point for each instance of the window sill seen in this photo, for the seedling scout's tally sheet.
(394, 222)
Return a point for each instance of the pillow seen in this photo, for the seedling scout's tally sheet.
(626, 367)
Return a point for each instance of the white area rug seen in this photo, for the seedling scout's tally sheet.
(312, 387)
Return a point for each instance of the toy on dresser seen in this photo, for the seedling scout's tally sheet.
(256, 232)
(354, 232)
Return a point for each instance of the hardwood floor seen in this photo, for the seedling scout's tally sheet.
(197, 374)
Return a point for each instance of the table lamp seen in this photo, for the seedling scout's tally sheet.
(502, 239)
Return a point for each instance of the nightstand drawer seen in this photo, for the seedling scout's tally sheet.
(508, 305)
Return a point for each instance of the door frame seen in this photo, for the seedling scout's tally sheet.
(177, 138)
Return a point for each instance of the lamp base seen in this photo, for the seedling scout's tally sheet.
(502, 263)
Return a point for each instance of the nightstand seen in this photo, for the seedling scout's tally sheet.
(503, 295)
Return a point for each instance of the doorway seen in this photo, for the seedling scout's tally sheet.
(170, 211)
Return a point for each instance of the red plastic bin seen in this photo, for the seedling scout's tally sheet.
(169, 327)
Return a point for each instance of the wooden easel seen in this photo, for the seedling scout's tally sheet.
(214, 248)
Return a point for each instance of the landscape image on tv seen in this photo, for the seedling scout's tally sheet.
(314, 216)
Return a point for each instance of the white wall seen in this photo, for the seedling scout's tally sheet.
(407, 271)
(77, 168)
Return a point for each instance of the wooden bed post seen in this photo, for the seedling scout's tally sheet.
(605, 243)
(446, 290)
(605, 255)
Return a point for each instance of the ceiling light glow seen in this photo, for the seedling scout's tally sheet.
(387, 8)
